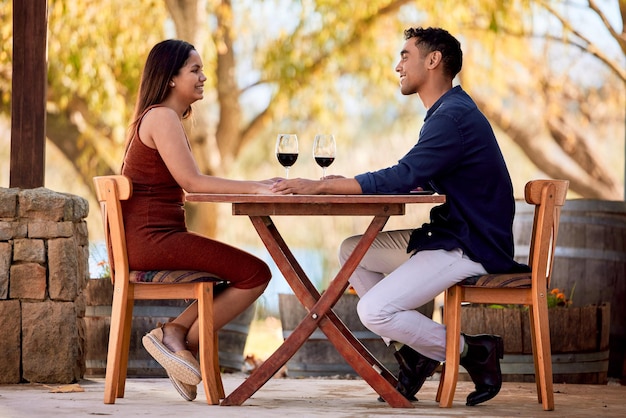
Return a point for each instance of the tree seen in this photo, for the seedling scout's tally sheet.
(562, 137)
(316, 59)
(558, 114)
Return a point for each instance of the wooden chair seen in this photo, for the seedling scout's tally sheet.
(529, 289)
(131, 285)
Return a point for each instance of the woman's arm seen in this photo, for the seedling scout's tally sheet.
(161, 129)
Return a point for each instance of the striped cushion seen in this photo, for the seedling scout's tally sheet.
(519, 280)
(172, 276)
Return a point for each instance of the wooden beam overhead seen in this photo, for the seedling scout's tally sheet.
(28, 96)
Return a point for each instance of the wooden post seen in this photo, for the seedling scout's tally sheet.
(28, 101)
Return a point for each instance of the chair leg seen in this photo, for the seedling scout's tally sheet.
(216, 367)
(208, 349)
(443, 367)
(540, 334)
(452, 315)
(440, 387)
(123, 362)
(117, 346)
(533, 344)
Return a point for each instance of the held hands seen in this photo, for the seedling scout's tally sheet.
(264, 186)
(327, 185)
(296, 186)
(271, 181)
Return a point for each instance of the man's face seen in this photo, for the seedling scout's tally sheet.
(411, 68)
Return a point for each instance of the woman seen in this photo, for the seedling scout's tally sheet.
(160, 164)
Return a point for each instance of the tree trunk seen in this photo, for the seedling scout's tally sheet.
(548, 156)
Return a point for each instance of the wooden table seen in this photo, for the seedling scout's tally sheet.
(260, 208)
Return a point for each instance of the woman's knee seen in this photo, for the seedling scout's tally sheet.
(264, 276)
(258, 278)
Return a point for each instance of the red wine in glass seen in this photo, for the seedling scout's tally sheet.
(324, 151)
(324, 161)
(287, 159)
(287, 150)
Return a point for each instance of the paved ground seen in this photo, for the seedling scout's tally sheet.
(301, 398)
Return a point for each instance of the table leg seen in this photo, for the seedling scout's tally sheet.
(378, 377)
(372, 372)
(307, 293)
(270, 366)
(298, 280)
(320, 314)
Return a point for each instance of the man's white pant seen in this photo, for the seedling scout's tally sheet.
(388, 307)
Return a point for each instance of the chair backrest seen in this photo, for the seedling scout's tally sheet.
(110, 190)
(548, 196)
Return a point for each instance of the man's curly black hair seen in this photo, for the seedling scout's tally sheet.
(437, 39)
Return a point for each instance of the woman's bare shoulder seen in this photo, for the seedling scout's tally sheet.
(159, 112)
(160, 118)
(158, 122)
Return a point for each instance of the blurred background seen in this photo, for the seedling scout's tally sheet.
(550, 75)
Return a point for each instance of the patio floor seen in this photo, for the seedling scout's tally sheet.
(310, 397)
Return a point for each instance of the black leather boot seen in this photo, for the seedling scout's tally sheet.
(482, 362)
(415, 368)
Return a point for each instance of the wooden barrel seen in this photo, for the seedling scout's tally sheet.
(232, 340)
(570, 368)
(590, 259)
(146, 315)
(318, 356)
(579, 338)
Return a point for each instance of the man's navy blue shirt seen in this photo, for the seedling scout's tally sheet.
(457, 154)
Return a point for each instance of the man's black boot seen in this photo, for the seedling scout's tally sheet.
(415, 368)
(482, 362)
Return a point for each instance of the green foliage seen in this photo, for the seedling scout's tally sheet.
(6, 53)
(557, 298)
(96, 50)
(313, 65)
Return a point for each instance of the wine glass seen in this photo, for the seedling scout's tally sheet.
(324, 151)
(287, 150)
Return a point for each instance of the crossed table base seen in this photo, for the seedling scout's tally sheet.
(260, 208)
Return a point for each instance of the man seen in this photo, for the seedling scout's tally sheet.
(471, 234)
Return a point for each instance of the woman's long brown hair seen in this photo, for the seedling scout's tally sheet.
(164, 62)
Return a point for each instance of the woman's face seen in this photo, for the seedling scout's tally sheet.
(189, 82)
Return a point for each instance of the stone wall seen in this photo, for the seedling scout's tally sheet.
(44, 252)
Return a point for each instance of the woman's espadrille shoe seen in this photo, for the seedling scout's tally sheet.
(188, 392)
(181, 365)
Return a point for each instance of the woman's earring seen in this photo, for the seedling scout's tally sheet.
(172, 84)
